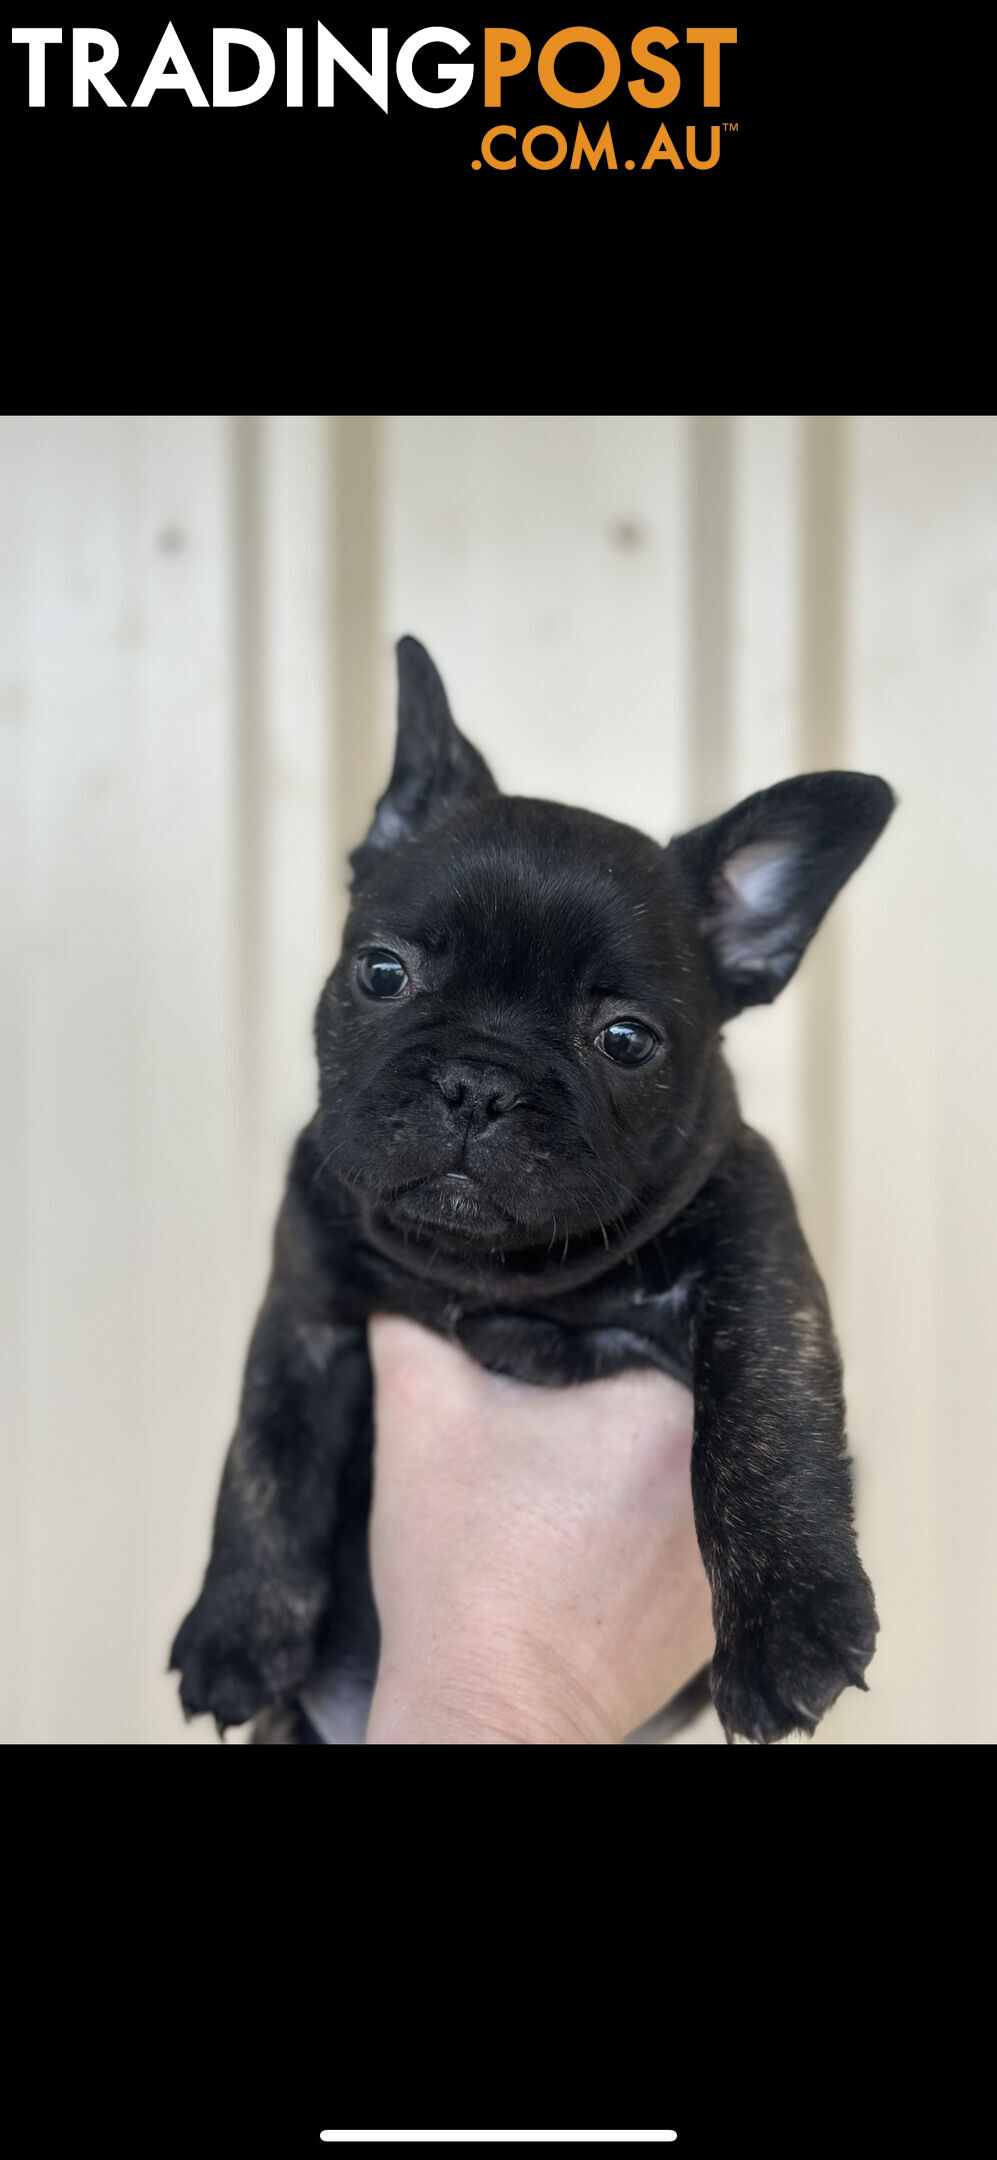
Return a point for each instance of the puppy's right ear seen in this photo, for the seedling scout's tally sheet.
(435, 767)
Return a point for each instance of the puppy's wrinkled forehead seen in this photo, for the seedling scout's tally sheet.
(531, 893)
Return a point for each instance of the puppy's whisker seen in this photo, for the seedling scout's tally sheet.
(337, 1150)
(627, 1190)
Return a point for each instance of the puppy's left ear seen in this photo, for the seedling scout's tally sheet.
(435, 766)
(763, 876)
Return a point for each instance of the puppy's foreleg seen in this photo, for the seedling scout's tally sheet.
(793, 1608)
(249, 1639)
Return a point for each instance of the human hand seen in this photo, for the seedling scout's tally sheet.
(534, 1557)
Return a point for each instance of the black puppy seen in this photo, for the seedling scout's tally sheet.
(527, 1138)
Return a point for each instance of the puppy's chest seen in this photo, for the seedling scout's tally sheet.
(639, 1314)
(585, 1337)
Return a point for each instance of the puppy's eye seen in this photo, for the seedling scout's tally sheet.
(627, 1042)
(382, 975)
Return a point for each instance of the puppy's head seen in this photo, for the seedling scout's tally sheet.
(515, 1045)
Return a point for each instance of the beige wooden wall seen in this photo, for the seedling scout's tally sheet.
(648, 614)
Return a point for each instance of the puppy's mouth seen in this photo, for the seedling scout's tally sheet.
(450, 1200)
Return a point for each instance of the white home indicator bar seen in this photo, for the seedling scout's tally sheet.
(498, 2137)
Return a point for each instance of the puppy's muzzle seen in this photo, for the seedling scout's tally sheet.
(476, 1094)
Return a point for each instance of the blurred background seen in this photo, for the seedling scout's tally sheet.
(651, 615)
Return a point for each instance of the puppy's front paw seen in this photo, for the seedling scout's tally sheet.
(235, 1655)
(778, 1668)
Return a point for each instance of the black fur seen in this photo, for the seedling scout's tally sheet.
(477, 1162)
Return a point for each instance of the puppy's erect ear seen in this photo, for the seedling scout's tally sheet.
(763, 876)
(435, 767)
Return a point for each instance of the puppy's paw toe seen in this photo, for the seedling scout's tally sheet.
(779, 1670)
(231, 1668)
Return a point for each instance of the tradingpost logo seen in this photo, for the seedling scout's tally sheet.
(576, 100)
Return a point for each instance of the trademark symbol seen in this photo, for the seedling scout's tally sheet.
(730, 127)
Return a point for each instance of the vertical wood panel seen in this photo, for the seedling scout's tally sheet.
(708, 719)
(126, 1052)
(297, 875)
(195, 1278)
(20, 938)
(544, 561)
(82, 1453)
(919, 1154)
(363, 673)
(765, 1045)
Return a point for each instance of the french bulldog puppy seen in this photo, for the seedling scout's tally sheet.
(526, 1137)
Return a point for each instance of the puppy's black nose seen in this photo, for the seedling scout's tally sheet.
(478, 1093)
